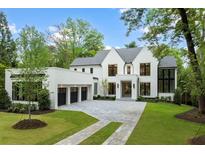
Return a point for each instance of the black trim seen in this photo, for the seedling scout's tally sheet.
(163, 79)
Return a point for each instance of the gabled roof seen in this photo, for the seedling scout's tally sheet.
(96, 60)
(168, 61)
(129, 54)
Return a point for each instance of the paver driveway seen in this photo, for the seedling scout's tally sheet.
(127, 112)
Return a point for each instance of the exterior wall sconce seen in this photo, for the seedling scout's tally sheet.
(134, 86)
(118, 85)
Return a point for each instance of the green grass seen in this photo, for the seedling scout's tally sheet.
(159, 126)
(60, 125)
(100, 136)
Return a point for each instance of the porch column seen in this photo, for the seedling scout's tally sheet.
(68, 96)
(90, 93)
(79, 94)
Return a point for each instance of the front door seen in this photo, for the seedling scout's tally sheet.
(61, 96)
(126, 88)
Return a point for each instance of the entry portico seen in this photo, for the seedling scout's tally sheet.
(127, 87)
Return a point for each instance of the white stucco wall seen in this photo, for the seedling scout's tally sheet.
(56, 77)
(97, 73)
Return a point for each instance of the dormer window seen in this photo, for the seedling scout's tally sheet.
(128, 70)
(83, 69)
(112, 70)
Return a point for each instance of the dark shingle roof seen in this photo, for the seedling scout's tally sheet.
(96, 60)
(168, 61)
(129, 54)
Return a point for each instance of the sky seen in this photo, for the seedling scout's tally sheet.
(106, 21)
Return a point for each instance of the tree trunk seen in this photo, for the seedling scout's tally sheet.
(192, 56)
(202, 104)
(29, 110)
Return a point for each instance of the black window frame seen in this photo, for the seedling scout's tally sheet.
(112, 69)
(162, 79)
(83, 69)
(19, 95)
(95, 88)
(111, 88)
(75, 69)
(129, 70)
(145, 69)
(144, 91)
(91, 70)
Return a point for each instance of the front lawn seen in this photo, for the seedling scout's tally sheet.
(60, 125)
(158, 125)
(100, 136)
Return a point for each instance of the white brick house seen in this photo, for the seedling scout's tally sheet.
(130, 73)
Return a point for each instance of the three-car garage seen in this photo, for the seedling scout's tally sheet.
(64, 86)
(69, 95)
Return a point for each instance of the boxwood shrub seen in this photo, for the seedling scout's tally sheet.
(5, 101)
(43, 100)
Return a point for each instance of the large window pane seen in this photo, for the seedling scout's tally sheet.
(166, 73)
(160, 75)
(19, 93)
(172, 73)
(112, 70)
(166, 86)
(95, 88)
(160, 86)
(145, 89)
(166, 80)
(145, 69)
(111, 88)
(172, 85)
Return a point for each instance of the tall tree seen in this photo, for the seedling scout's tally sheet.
(7, 45)
(75, 38)
(172, 27)
(131, 45)
(34, 58)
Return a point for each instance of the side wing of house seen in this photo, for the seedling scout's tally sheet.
(64, 86)
(167, 77)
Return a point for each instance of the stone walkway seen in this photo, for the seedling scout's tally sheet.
(83, 134)
(126, 112)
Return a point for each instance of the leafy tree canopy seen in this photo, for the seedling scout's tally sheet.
(75, 38)
(7, 45)
(131, 45)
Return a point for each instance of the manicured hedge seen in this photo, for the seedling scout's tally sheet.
(104, 97)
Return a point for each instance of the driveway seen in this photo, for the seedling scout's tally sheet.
(119, 111)
(126, 112)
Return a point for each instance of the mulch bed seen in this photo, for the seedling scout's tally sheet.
(29, 124)
(192, 115)
(198, 140)
(37, 112)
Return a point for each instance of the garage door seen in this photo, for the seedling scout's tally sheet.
(84, 93)
(61, 96)
(73, 94)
